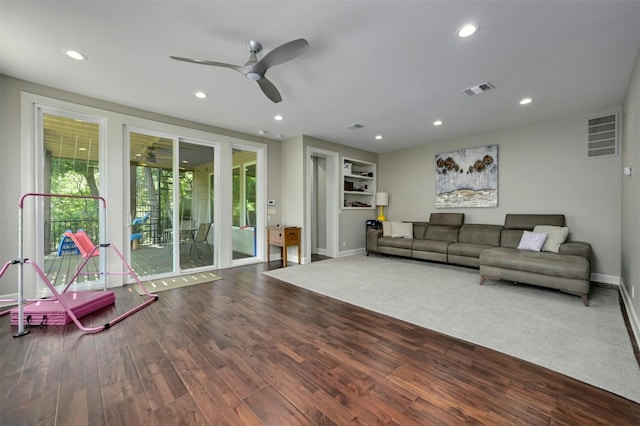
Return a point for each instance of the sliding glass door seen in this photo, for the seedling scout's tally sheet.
(171, 198)
(197, 224)
(71, 146)
(244, 205)
(151, 203)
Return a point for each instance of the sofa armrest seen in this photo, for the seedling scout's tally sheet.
(372, 240)
(576, 248)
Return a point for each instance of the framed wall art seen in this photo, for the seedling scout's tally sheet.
(467, 178)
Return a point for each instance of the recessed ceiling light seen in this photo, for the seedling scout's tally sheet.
(467, 29)
(278, 117)
(74, 54)
(437, 123)
(378, 137)
(185, 161)
(279, 136)
(200, 95)
(525, 101)
(262, 132)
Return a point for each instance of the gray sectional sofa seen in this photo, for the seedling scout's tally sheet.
(493, 249)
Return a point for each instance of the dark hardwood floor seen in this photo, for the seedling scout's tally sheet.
(251, 350)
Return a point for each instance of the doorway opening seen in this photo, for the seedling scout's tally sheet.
(322, 210)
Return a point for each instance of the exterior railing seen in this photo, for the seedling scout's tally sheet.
(59, 227)
(152, 231)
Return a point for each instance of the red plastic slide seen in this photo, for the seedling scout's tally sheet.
(84, 243)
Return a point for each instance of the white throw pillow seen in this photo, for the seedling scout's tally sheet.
(402, 229)
(532, 241)
(386, 228)
(556, 235)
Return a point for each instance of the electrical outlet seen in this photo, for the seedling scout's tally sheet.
(344, 244)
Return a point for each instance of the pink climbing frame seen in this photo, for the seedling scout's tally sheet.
(73, 304)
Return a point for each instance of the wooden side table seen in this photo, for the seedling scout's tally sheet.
(283, 236)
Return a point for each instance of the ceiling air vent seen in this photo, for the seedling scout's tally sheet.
(354, 126)
(602, 136)
(480, 88)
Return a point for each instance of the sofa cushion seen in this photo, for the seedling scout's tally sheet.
(395, 242)
(450, 219)
(419, 229)
(395, 251)
(576, 248)
(430, 245)
(532, 241)
(466, 249)
(402, 229)
(386, 228)
(556, 235)
(442, 233)
(480, 234)
(529, 221)
(545, 263)
(510, 237)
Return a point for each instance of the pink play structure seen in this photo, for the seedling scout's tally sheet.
(67, 306)
(83, 243)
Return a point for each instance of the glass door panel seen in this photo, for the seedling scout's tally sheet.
(244, 204)
(151, 203)
(196, 206)
(71, 167)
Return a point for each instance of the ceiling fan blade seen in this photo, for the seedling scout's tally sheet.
(270, 90)
(212, 63)
(284, 53)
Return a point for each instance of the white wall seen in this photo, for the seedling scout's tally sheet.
(293, 191)
(542, 169)
(631, 198)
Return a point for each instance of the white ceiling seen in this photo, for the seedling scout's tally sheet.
(392, 66)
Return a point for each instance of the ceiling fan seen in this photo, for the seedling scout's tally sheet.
(256, 69)
(153, 153)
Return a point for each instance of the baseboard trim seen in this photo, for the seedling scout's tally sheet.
(353, 252)
(606, 279)
(634, 320)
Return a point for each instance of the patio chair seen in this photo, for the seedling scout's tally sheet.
(199, 238)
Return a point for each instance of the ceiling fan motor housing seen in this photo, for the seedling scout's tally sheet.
(253, 46)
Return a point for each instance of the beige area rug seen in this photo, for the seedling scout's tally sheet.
(542, 326)
(165, 284)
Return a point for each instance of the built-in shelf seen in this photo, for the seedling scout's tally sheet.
(358, 184)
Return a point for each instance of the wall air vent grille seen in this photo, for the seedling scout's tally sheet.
(354, 126)
(602, 136)
(480, 88)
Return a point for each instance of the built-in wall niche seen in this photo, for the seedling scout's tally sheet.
(359, 184)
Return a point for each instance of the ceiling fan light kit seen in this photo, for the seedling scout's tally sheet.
(255, 69)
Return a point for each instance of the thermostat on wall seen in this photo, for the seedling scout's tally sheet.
(627, 171)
